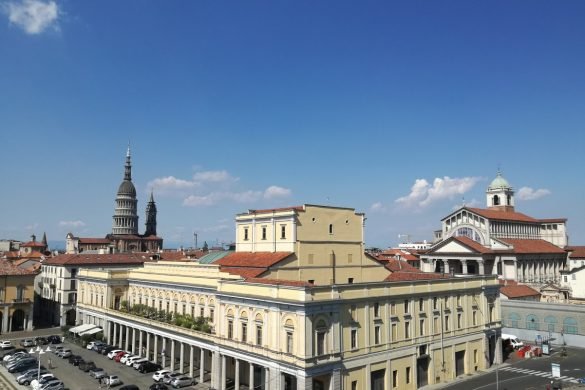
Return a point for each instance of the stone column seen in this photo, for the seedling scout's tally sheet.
(266, 378)
(215, 369)
(251, 376)
(148, 345)
(181, 360)
(336, 379)
(191, 361)
(237, 374)
(446, 266)
(464, 266)
(133, 343)
(172, 357)
(155, 351)
(481, 267)
(201, 365)
(108, 328)
(223, 369)
(127, 338)
(163, 358)
(141, 351)
(114, 336)
(304, 383)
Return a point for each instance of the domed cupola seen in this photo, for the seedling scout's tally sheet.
(125, 213)
(500, 195)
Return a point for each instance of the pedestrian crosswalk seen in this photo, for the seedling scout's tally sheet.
(542, 374)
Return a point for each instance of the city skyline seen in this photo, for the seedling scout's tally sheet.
(401, 111)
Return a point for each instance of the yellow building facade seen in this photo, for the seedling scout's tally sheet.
(16, 298)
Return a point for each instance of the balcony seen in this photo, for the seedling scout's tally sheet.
(21, 300)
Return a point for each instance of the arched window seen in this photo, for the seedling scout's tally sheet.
(570, 325)
(259, 327)
(20, 293)
(550, 322)
(289, 329)
(513, 320)
(244, 327)
(468, 232)
(532, 322)
(496, 200)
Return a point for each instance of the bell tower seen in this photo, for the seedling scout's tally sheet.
(150, 217)
(500, 195)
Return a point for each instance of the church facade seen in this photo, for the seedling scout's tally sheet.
(498, 240)
(125, 236)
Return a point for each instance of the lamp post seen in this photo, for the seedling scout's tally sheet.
(39, 351)
(496, 358)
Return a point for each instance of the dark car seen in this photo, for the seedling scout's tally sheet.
(129, 387)
(108, 349)
(41, 340)
(23, 365)
(149, 367)
(54, 339)
(158, 386)
(86, 366)
(13, 351)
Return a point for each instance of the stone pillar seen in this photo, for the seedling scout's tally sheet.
(336, 379)
(266, 378)
(446, 266)
(108, 328)
(163, 358)
(114, 336)
(201, 365)
(237, 374)
(181, 360)
(304, 383)
(191, 361)
(155, 351)
(215, 369)
(251, 376)
(148, 345)
(481, 267)
(464, 266)
(141, 351)
(172, 357)
(223, 369)
(127, 338)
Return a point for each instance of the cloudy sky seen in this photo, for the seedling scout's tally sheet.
(402, 110)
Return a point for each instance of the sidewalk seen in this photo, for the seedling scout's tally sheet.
(24, 334)
(464, 378)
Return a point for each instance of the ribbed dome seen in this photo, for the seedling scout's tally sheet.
(127, 188)
(498, 183)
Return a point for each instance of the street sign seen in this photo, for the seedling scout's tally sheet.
(545, 349)
(556, 370)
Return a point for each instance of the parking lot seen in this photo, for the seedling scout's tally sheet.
(76, 379)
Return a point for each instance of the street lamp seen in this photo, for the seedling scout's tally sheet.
(496, 358)
(40, 351)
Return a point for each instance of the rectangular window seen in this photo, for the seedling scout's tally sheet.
(230, 329)
(395, 378)
(376, 310)
(446, 302)
(393, 309)
(282, 232)
(421, 304)
(349, 280)
(211, 314)
(459, 321)
(406, 307)
(353, 338)
(446, 323)
(246, 234)
(264, 232)
(244, 332)
(259, 335)
(422, 327)
(407, 375)
(394, 332)
(201, 312)
(475, 356)
(320, 343)
(565, 278)
(289, 342)
(407, 330)
(474, 317)
(377, 335)
(436, 327)
(435, 303)
(458, 300)
(354, 385)
(184, 308)
(193, 311)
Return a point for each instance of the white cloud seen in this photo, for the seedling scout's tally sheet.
(378, 207)
(216, 197)
(200, 200)
(276, 192)
(33, 16)
(75, 224)
(527, 193)
(213, 176)
(169, 184)
(422, 194)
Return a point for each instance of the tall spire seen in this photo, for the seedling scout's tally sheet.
(150, 217)
(44, 241)
(128, 167)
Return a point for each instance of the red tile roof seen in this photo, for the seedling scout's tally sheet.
(471, 244)
(577, 252)
(502, 215)
(395, 265)
(402, 276)
(91, 240)
(244, 272)
(8, 269)
(518, 291)
(532, 246)
(393, 253)
(97, 259)
(34, 244)
(253, 259)
(553, 220)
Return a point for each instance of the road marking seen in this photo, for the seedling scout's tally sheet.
(543, 374)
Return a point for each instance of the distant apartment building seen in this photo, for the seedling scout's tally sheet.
(16, 298)
(298, 305)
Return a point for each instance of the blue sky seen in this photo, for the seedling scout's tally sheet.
(401, 110)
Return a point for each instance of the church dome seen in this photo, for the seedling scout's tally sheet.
(127, 188)
(499, 182)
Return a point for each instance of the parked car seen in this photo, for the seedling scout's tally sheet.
(64, 353)
(7, 358)
(86, 366)
(112, 380)
(129, 387)
(53, 385)
(27, 342)
(106, 350)
(77, 360)
(13, 351)
(40, 340)
(6, 344)
(42, 380)
(182, 381)
(22, 365)
(125, 358)
(54, 339)
(158, 386)
(112, 354)
(168, 378)
(27, 377)
(58, 349)
(119, 356)
(148, 367)
(138, 362)
(10, 362)
(159, 375)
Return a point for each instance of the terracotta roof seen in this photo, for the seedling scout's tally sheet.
(7, 269)
(19, 262)
(91, 240)
(577, 252)
(476, 246)
(280, 282)
(531, 246)
(395, 265)
(253, 259)
(171, 256)
(413, 276)
(264, 211)
(552, 220)
(34, 244)
(502, 215)
(391, 253)
(518, 291)
(244, 272)
(97, 259)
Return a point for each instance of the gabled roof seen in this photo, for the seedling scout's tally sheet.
(395, 265)
(396, 253)
(512, 289)
(33, 244)
(403, 276)
(577, 252)
(523, 246)
(244, 272)
(502, 215)
(464, 241)
(97, 259)
(9, 269)
(253, 259)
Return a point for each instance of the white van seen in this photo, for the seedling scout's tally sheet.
(512, 340)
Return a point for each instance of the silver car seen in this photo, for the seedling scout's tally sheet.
(182, 381)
